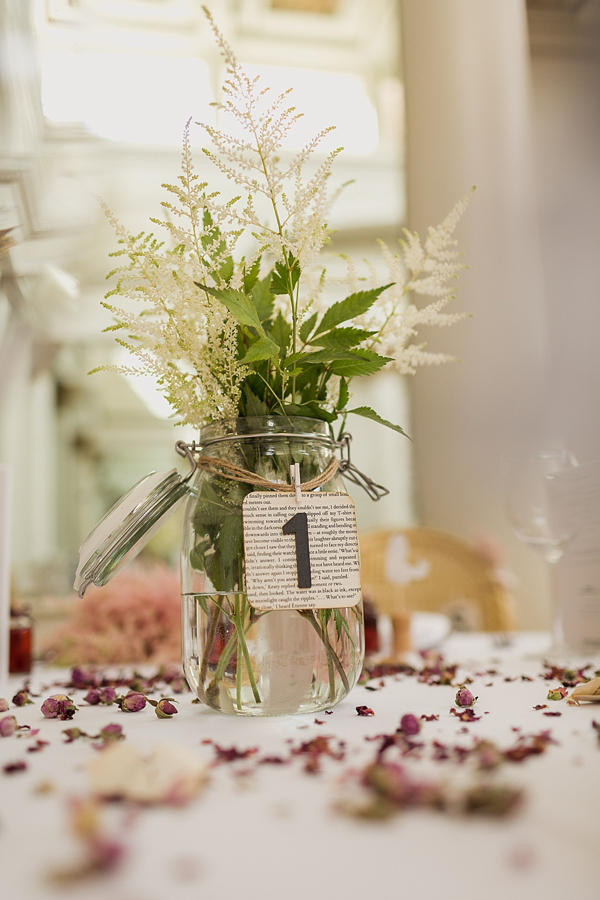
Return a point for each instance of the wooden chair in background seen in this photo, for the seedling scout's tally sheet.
(406, 570)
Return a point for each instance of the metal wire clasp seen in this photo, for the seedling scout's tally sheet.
(349, 471)
(188, 451)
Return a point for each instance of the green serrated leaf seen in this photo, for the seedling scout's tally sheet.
(328, 355)
(284, 277)
(369, 413)
(251, 276)
(354, 305)
(241, 306)
(209, 510)
(263, 299)
(254, 405)
(343, 338)
(341, 625)
(280, 332)
(310, 409)
(263, 348)
(363, 362)
(344, 395)
(229, 545)
(226, 270)
(307, 327)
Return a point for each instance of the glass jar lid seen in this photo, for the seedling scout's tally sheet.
(128, 526)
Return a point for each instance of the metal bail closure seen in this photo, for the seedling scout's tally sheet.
(349, 471)
(128, 526)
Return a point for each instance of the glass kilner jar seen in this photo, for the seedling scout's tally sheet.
(272, 616)
(272, 612)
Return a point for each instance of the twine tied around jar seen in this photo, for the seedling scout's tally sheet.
(225, 469)
(217, 466)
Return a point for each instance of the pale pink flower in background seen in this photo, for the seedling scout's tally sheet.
(134, 618)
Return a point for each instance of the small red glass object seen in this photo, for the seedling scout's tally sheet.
(371, 634)
(20, 644)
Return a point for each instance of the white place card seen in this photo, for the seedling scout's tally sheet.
(301, 555)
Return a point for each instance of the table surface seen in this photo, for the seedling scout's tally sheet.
(275, 820)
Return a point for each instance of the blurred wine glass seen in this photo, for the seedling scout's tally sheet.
(538, 514)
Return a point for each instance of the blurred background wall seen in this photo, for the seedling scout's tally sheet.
(430, 97)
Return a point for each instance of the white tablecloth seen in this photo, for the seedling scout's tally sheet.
(266, 830)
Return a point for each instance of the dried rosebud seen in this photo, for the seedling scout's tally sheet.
(58, 706)
(464, 697)
(104, 695)
(111, 732)
(92, 697)
(133, 701)
(409, 724)
(488, 755)
(164, 709)
(139, 685)
(108, 695)
(492, 800)
(105, 854)
(391, 782)
(557, 693)
(3, 704)
(21, 698)
(8, 726)
(81, 679)
(73, 734)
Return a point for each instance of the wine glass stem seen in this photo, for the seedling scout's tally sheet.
(558, 639)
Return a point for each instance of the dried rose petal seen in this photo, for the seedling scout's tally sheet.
(132, 701)
(58, 706)
(464, 697)
(531, 745)
(465, 715)
(18, 766)
(409, 724)
(3, 704)
(232, 754)
(8, 726)
(164, 709)
(364, 711)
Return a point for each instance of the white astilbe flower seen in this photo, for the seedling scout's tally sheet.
(424, 268)
(183, 337)
(192, 310)
(298, 209)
